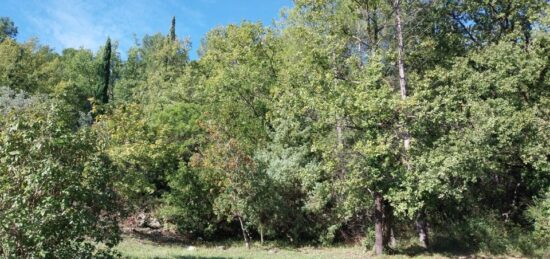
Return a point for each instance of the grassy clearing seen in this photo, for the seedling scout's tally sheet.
(135, 248)
(138, 248)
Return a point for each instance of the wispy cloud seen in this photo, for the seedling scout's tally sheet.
(73, 24)
(70, 23)
(87, 23)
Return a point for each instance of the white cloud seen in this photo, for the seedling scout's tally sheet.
(74, 24)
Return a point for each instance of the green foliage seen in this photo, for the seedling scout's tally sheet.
(7, 29)
(153, 126)
(27, 67)
(189, 203)
(106, 72)
(237, 61)
(173, 29)
(480, 124)
(289, 132)
(56, 184)
(540, 214)
(484, 233)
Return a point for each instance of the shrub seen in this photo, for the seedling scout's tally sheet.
(540, 214)
(56, 195)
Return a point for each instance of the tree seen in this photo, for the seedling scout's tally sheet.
(351, 109)
(393, 116)
(106, 72)
(161, 64)
(7, 29)
(487, 121)
(56, 182)
(539, 213)
(131, 77)
(153, 127)
(28, 67)
(173, 29)
(238, 77)
(420, 222)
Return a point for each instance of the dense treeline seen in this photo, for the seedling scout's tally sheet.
(381, 121)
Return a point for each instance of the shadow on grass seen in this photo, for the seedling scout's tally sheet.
(448, 247)
(155, 236)
(196, 257)
(202, 257)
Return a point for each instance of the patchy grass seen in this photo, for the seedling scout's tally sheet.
(137, 248)
(132, 247)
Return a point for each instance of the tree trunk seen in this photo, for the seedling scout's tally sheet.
(245, 234)
(401, 67)
(380, 226)
(341, 147)
(400, 50)
(421, 224)
(390, 235)
(393, 240)
(261, 235)
(422, 229)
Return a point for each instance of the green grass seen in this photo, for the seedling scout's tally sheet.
(138, 248)
(134, 248)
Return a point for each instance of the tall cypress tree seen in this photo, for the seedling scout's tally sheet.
(106, 69)
(173, 29)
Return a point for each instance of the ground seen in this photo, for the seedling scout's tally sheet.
(133, 247)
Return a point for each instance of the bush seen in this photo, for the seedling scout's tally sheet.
(477, 234)
(56, 195)
(540, 214)
(487, 234)
(187, 205)
(369, 239)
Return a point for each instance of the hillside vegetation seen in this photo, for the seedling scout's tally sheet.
(386, 126)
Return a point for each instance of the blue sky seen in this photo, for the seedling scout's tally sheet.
(70, 23)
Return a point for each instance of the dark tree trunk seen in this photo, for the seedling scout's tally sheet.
(380, 224)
